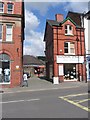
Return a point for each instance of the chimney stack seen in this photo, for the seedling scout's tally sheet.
(59, 17)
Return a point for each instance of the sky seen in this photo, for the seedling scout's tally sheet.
(36, 14)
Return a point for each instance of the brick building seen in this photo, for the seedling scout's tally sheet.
(11, 42)
(65, 48)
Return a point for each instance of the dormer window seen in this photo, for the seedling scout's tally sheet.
(10, 7)
(68, 30)
(1, 7)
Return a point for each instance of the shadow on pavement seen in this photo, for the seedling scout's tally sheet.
(45, 78)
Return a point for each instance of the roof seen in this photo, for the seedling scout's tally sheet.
(72, 19)
(76, 17)
(31, 60)
(53, 22)
(87, 15)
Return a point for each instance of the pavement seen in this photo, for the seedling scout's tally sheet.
(40, 84)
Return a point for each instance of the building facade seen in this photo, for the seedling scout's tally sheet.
(87, 42)
(65, 48)
(11, 42)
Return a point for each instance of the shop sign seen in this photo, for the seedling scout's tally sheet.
(70, 59)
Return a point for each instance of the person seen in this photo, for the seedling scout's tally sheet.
(25, 79)
(38, 72)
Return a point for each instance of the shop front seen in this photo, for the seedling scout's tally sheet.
(70, 67)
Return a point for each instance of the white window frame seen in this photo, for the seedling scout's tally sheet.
(69, 32)
(2, 8)
(9, 34)
(10, 10)
(69, 49)
(1, 32)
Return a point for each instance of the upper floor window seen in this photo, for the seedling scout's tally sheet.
(9, 33)
(0, 32)
(1, 7)
(10, 7)
(69, 48)
(68, 30)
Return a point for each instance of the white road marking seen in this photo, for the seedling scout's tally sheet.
(19, 91)
(15, 101)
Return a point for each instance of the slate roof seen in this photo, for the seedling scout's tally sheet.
(87, 15)
(76, 17)
(53, 22)
(31, 60)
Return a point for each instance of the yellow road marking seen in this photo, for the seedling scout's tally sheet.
(74, 95)
(76, 103)
(81, 101)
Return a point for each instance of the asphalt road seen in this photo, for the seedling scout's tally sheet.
(59, 103)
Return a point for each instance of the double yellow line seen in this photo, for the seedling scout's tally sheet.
(66, 98)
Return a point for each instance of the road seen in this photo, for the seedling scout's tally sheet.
(56, 103)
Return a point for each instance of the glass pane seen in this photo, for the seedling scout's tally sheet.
(65, 44)
(72, 50)
(10, 5)
(65, 50)
(1, 7)
(9, 33)
(70, 27)
(71, 45)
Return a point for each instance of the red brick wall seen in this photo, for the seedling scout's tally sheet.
(57, 42)
(14, 48)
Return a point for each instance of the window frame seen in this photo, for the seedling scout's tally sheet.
(69, 48)
(7, 34)
(1, 32)
(67, 29)
(10, 11)
(2, 8)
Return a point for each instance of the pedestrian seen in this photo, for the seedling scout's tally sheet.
(38, 72)
(25, 79)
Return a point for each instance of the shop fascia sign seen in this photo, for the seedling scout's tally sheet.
(70, 59)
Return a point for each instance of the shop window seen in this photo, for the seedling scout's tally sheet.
(0, 32)
(4, 68)
(1, 7)
(10, 7)
(69, 48)
(9, 33)
(68, 30)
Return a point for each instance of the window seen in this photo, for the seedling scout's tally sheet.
(0, 32)
(4, 68)
(10, 7)
(9, 33)
(1, 7)
(68, 30)
(69, 48)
